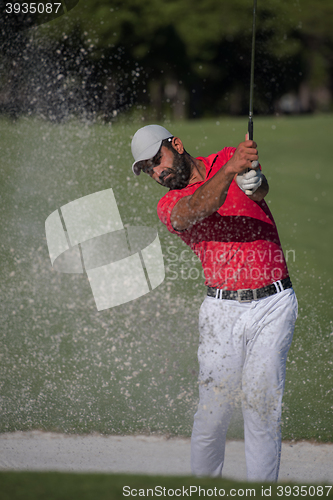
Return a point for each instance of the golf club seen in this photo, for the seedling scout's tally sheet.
(250, 125)
(255, 164)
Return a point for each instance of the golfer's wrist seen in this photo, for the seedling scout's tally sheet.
(229, 171)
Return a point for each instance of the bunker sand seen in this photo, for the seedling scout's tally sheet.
(301, 462)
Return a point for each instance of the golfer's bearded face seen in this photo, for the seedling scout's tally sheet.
(171, 169)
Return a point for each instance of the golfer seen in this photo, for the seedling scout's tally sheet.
(216, 205)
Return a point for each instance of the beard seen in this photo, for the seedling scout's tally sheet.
(179, 174)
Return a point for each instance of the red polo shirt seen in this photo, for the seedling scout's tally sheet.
(238, 245)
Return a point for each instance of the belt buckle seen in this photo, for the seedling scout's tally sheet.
(246, 292)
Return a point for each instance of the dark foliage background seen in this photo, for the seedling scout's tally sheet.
(173, 59)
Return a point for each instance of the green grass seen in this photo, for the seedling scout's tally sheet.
(60, 486)
(67, 367)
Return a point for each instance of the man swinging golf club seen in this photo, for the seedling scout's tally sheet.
(246, 322)
(216, 206)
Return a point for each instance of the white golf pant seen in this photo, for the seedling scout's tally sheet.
(242, 354)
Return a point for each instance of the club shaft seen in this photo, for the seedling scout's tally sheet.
(250, 126)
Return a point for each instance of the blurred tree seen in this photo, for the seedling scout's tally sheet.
(183, 58)
(315, 35)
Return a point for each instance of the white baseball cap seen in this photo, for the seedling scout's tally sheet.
(146, 143)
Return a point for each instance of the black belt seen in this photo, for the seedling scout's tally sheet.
(249, 295)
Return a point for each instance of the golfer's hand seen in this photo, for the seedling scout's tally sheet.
(246, 153)
(249, 181)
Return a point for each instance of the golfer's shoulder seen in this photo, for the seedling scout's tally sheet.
(226, 153)
(166, 205)
(172, 196)
(215, 161)
(169, 200)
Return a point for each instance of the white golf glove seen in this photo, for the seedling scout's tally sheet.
(249, 181)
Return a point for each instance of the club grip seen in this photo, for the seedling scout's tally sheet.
(250, 129)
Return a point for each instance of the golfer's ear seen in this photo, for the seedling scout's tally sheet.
(178, 145)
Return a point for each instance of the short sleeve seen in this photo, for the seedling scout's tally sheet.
(166, 205)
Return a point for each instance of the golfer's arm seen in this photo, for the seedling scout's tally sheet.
(206, 200)
(261, 192)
